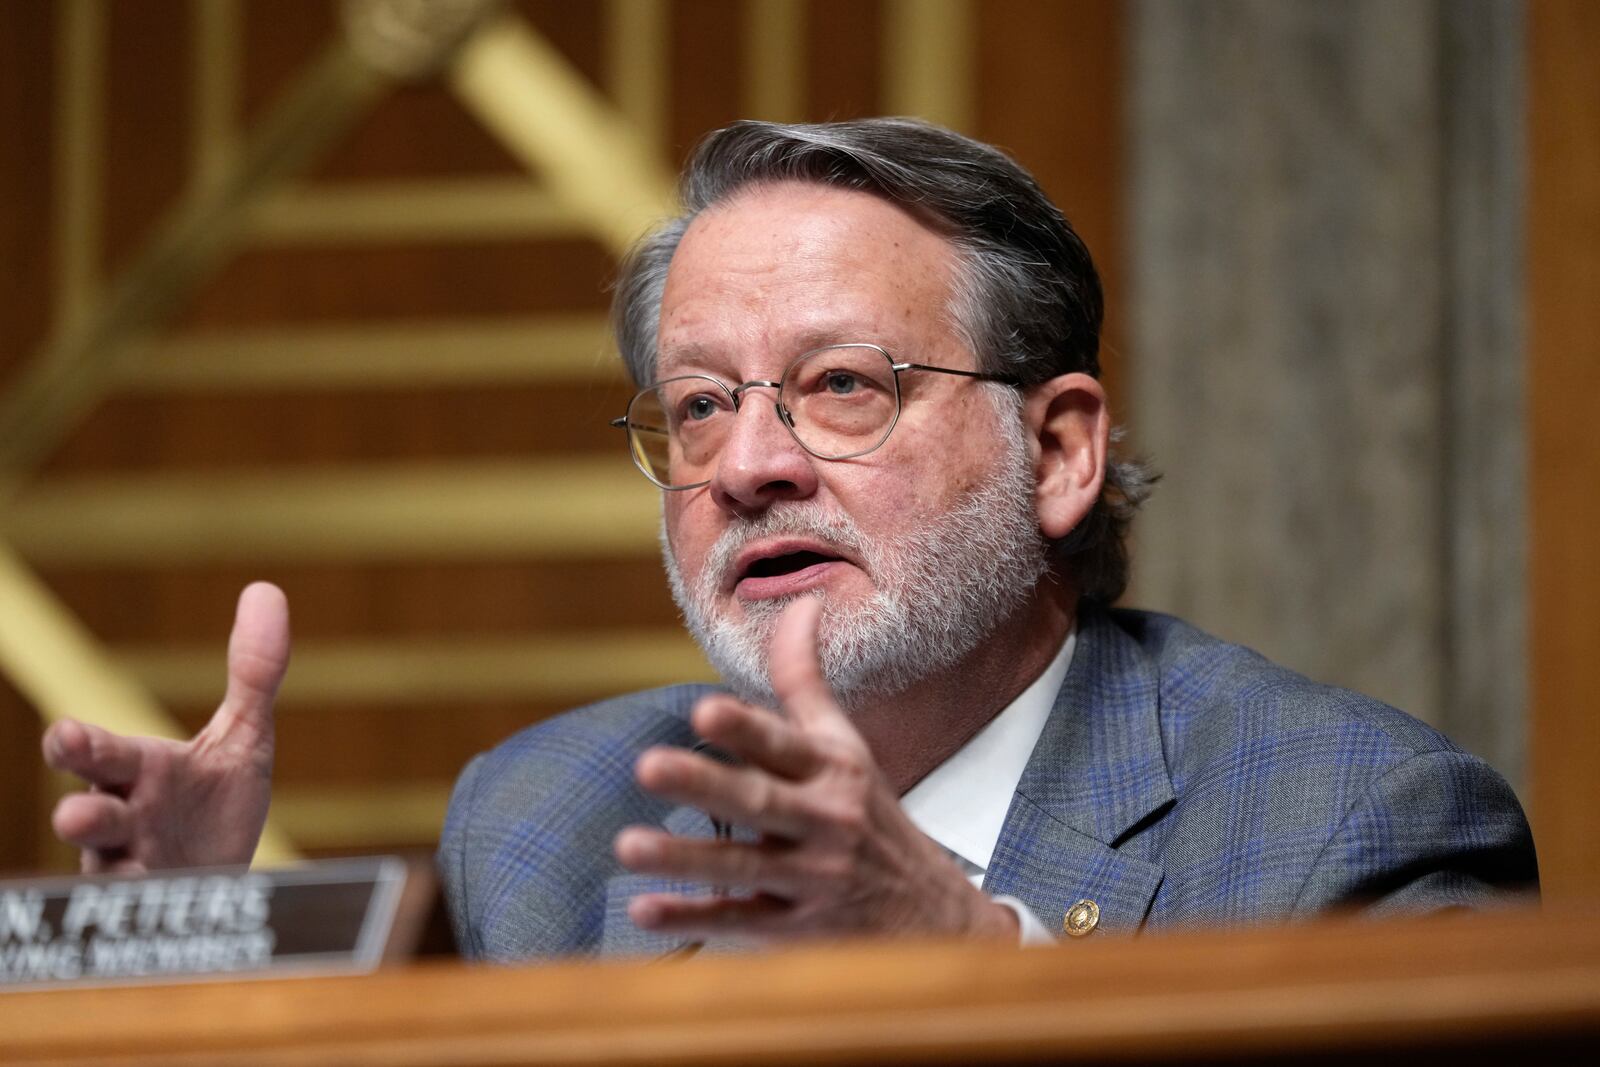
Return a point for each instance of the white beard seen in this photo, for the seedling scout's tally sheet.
(940, 590)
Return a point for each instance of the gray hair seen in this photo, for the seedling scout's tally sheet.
(1027, 300)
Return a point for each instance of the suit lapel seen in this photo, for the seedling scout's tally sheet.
(1097, 772)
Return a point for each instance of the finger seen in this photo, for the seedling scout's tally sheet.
(708, 916)
(258, 657)
(748, 796)
(767, 867)
(98, 821)
(756, 736)
(95, 755)
(797, 677)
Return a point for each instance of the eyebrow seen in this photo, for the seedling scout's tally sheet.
(822, 338)
(668, 359)
(693, 352)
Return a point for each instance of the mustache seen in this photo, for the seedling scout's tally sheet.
(799, 519)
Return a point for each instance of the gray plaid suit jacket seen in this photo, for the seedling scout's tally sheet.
(1179, 780)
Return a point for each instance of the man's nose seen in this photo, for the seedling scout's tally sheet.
(761, 462)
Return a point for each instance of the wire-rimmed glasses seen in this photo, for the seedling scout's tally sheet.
(837, 402)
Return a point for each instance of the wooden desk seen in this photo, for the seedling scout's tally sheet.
(1513, 987)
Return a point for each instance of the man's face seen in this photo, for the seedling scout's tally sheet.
(919, 549)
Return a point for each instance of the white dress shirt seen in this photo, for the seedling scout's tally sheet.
(962, 803)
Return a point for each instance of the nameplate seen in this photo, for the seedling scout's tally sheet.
(329, 916)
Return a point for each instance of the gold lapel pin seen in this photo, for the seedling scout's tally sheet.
(1081, 918)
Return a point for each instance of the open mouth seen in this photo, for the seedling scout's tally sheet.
(788, 563)
(770, 571)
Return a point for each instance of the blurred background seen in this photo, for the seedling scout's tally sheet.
(315, 292)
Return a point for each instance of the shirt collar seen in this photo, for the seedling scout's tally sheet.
(962, 803)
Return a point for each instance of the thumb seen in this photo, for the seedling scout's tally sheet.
(796, 669)
(258, 656)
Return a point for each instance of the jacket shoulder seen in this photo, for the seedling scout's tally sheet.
(1293, 796)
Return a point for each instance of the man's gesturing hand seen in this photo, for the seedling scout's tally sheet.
(836, 856)
(155, 803)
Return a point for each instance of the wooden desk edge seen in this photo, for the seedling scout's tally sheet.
(1514, 976)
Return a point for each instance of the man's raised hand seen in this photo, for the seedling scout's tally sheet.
(154, 803)
(837, 854)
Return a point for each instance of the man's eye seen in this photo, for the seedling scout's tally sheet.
(700, 408)
(840, 383)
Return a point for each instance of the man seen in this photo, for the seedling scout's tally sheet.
(868, 359)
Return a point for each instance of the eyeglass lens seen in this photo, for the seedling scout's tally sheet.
(843, 402)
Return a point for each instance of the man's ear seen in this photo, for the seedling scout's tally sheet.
(1068, 418)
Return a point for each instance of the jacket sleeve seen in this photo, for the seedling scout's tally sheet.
(451, 861)
(1439, 830)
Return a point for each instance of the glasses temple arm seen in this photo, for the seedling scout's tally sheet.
(1004, 379)
(624, 424)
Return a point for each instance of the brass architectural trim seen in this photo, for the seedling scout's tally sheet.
(553, 119)
(395, 211)
(218, 55)
(79, 158)
(57, 663)
(544, 348)
(775, 34)
(928, 61)
(78, 365)
(409, 672)
(379, 816)
(579, 508)
(636, 68)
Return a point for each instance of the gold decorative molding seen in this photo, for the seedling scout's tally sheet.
(775, 51)
(636, 64)
(79, 157)
(79, 363)
(58, 666)
(411, 39)
(578, 508)
(371, 212)
(218, 50)
(929, 62)
(551, 117)
(376, 815)
(409, 672)
(544, 348)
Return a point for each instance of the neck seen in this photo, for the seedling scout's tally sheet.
(912, 732)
